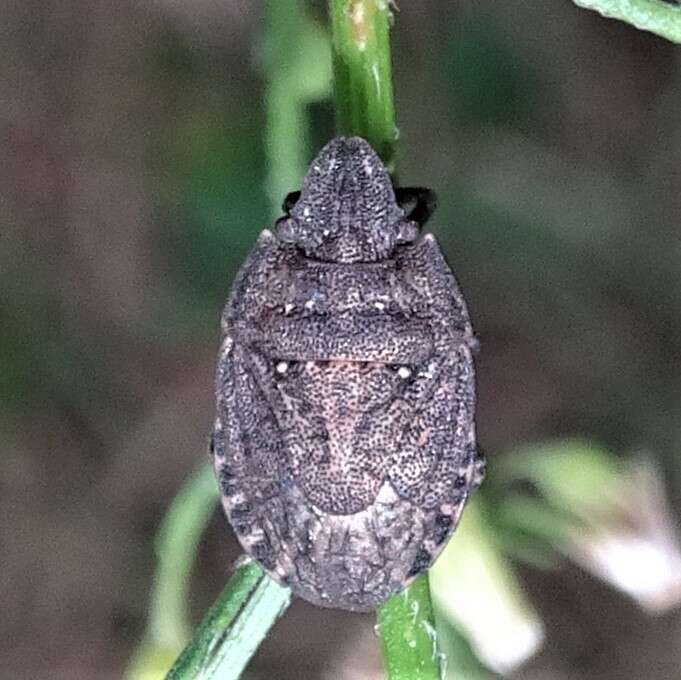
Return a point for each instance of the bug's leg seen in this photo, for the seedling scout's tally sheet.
(418, 203)
(479, 466)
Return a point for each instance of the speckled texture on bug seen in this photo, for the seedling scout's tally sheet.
(344, 442)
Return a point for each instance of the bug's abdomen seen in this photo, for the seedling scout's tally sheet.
(344, 438)
(346, 484)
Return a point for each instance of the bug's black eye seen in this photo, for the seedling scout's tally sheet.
(290, 200)
(418, 203)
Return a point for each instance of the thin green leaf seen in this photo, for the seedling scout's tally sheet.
(176, 545)
(234, 627)
(656, 16)
(295, 77)
(168, 627)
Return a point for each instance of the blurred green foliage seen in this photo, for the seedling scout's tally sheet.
(486, 83)
(216, 202)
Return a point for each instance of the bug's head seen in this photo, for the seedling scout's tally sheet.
(346, 210)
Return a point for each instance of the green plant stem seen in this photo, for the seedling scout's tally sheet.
(406, 626)
(363, 73)
(363, 98)
(656, 16)
(234, 627)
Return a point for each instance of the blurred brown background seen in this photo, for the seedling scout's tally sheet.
(132, 186)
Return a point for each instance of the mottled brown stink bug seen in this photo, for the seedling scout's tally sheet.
(344, 442)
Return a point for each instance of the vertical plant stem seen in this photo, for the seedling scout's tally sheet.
(406, 626)
(363, 73)
(363, 97)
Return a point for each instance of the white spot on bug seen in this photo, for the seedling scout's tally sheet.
(309, 365)
(289, 307)
(243, 560)
(404, 372)
(250, 539)
(428, 373)
(326, 232)
(281, 571)
(380, 306)
(281, 367)
(387, 494)
(368, 169)
(227, 345)
(306, 211)
(309, 304)
(236, 499)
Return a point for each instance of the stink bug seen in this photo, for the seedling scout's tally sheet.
(344, 441)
